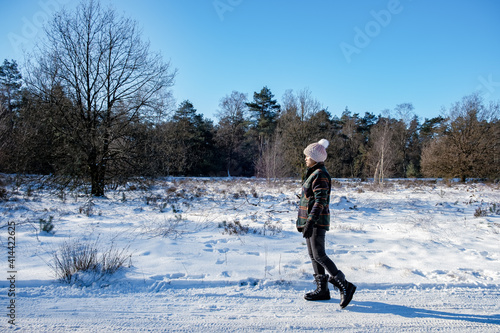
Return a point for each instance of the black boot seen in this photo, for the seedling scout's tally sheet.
(314, 291)
(322, 293)
(345, 287)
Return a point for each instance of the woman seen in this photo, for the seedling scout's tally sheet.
(314, 221)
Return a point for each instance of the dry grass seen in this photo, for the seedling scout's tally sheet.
(81, 262)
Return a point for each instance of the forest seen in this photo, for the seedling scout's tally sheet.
(100, 109)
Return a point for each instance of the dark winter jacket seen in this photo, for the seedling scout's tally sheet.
(315, 199)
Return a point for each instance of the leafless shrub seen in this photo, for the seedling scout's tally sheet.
(349, 227)
(172, 227)
(271, 228)
(480, 212)
(151, 199)
(4, 195)
(234, 228)
(336, 184)
(492, 209)
(80, 262)
(88, 208)
(495, 208)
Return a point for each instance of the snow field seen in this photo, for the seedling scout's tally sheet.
(416, 251)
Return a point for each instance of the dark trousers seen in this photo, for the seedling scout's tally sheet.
(316, 248)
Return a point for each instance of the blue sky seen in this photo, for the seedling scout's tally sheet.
(366, 55)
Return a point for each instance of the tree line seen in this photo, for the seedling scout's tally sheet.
(95, 103)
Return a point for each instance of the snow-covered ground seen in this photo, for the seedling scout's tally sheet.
(223, 255)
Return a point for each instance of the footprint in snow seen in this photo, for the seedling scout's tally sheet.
(175, 275)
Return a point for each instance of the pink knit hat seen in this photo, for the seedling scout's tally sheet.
(317, 150)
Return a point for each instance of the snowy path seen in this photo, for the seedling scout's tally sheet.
(261, 308)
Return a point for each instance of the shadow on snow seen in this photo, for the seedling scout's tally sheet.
(410, 312)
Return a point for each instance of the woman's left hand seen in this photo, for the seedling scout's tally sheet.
(308, 228)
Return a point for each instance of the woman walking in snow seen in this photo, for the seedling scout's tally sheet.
(314, 220)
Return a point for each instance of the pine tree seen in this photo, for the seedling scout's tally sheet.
(10, 86)
(10, 103)
(191, 138)
(265, 111)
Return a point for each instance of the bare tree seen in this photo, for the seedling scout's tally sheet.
(98, 61)
(307, 104)
(289, 103)
(405, 112)
(271, 163)
(300, 123)
(382, 153)
(404, 133)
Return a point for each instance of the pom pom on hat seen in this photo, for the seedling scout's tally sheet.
(324, 143)
(317, 150)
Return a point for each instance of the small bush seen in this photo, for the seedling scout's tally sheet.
(168, 227)
(151, 199)
(495, 209)
(234, 228)
(78, 262)
(336, 184)
(88, 208)
(492, 209)
(3, 194)
(46, 226)
(271, 228)
(61, 194)
(29, 191)
(480, 212)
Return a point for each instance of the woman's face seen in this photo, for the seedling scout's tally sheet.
(310, 162)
